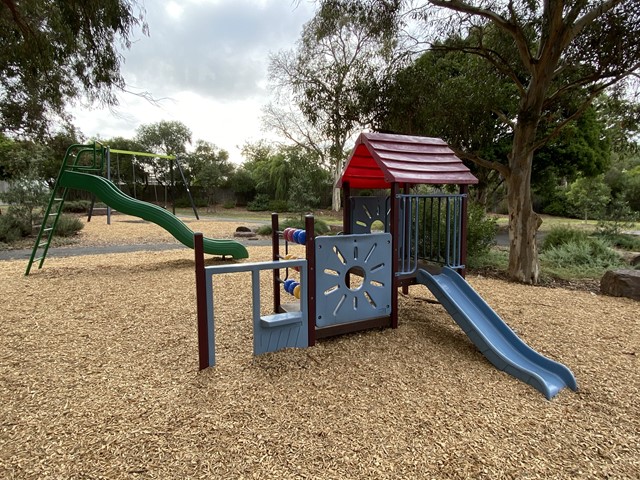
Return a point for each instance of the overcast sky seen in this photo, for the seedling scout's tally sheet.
(208, 60)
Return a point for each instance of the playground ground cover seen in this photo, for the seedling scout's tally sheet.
(99, 379)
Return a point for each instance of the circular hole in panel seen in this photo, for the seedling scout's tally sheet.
(354, 278)
(377, 227)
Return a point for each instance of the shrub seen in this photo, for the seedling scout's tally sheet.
(321, 227)
(264, 230)
(625, 242)
(589, 253)
(481, 231)
(228, 204)
(559, 236)
(76, 206)
(13, 228)
(259, 204)
(68, 226)
(279, 206)
(184, 202)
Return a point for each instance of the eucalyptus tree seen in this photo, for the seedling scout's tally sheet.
(328, 78)
(54, 53)
(165, 138)
(559, 55)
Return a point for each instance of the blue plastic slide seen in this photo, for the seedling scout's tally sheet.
(493, 337)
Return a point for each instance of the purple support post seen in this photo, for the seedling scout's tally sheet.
(275, 255)
(464, 190)
(201, 301)
(394, 225)
(346, 208)
(310, 247)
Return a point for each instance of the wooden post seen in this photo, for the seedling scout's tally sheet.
(346, 209)
(394, 224)
(275, 255)
(464, 190)
(201, 301)
(310, 250)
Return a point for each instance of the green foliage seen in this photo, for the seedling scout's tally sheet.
(259, 204)
(278, 206)
(569, 248)
(228, 204)
(165, 138)
(264, 230)
(594, 253)
(210, 169)
(320, 226)
(25, 194)
(589, 197)
(52, 53)
(624, 241)
(481, 231)
(562, 235)
(286, 174)
(13, 228)
(76, 206)
(68, 225)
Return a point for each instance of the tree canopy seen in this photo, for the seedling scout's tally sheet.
(558, 56)
(52, 53)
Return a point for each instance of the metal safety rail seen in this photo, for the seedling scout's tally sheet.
(430, 230)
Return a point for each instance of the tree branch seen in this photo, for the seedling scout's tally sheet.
(510, 27)
(501, 168)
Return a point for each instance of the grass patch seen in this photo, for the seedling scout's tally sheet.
(495, 258)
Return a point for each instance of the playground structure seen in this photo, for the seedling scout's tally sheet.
(350, 282)
(81, 169)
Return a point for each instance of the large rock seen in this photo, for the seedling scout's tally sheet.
(621, 283)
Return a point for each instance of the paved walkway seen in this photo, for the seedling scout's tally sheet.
(24, 254)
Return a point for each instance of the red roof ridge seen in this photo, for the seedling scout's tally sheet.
(380, 159)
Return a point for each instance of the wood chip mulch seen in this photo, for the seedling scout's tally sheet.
(99, 379)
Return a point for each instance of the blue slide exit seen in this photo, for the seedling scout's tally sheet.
(493, 337)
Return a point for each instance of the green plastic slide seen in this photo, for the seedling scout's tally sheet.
(108, 193)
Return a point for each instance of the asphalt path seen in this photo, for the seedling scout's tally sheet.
(24, 254)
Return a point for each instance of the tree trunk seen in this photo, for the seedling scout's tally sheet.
(336, 200)
(523, 221)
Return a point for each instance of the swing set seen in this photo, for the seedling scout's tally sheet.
(171, 189)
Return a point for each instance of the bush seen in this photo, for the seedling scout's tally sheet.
(184, 202)
(279, 206)
(76, 206)
(481, 231)
(321, 227)
(13, 228)
(559, 236)
(590, 253)
(624, 241)
(259, 204)
(68, 226)
(228, 204)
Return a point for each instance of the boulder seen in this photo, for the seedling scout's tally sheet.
(243, 229)
(621, 283)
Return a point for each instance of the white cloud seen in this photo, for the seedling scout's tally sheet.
(209, 58)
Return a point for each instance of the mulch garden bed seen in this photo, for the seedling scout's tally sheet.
(99, 379)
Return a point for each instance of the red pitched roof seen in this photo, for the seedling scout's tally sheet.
(379, 159)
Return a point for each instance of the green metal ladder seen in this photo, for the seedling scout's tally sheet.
(72, 161)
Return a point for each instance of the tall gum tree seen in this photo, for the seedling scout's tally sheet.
(565, 47)
(558, 50)
(327, 77)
